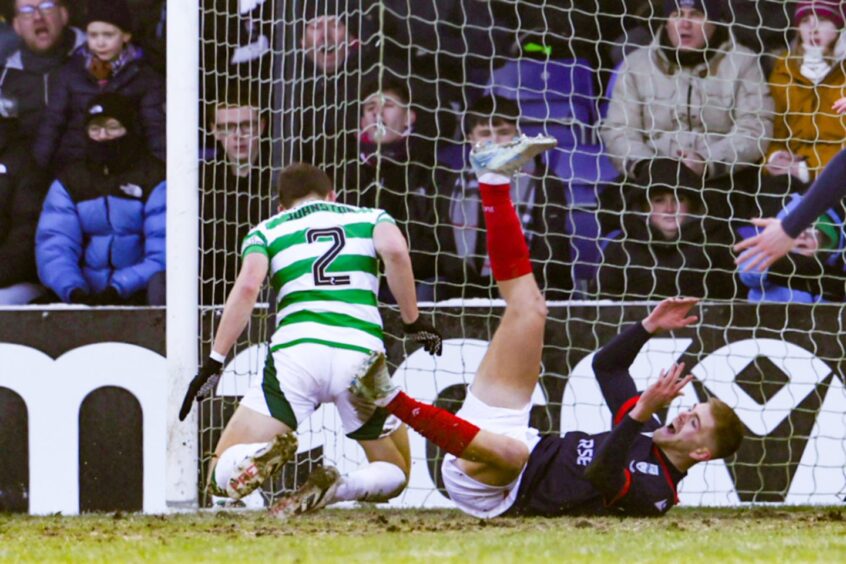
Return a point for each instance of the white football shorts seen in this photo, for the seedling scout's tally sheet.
(298, 379)
(474, 497)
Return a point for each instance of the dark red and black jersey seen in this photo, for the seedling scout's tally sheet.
(617, 472)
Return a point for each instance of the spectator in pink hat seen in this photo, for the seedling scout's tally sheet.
(806, 82)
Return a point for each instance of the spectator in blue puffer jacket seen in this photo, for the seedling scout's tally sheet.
(108, 62)
(812, 272)
(101, 235)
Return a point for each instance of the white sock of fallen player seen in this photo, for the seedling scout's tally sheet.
(378, 481)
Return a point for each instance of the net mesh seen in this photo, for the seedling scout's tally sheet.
(663, 155)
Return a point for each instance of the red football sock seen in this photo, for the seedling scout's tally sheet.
(449, 432)
(506, 242)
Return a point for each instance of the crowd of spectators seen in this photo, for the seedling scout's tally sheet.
(82, 142)
(705, 116)
(679, 121)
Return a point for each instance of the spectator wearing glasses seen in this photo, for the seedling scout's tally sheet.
(108, 62)
(47, 42)
(236, 188)
(101, 236)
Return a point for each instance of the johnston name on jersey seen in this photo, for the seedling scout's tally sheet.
(324, 269)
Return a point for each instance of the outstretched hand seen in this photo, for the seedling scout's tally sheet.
(671, 314)
(762, 250)
(659, 395)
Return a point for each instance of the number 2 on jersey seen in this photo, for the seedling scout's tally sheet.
(323, 262)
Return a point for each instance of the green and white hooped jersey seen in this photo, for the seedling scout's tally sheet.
(323, 266)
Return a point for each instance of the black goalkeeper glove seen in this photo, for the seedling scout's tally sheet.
(201, 386)
(425, 334)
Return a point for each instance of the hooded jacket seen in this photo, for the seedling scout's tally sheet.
(100, 229)
(720, 109)
(805, 124)
(639, 263)
(61, 135)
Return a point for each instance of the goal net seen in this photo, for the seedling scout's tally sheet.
(672, 133)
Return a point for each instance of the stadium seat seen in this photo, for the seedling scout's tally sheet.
(582, 165)
(452, 155)
(586, 169)
(557, 89)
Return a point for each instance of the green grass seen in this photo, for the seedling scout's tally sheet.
(372, 535)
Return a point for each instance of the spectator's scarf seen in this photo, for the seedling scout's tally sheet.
(103, 71)
(689, 59)
(815, 66)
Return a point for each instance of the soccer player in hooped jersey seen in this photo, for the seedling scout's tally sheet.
(496, 464)
(322, 260)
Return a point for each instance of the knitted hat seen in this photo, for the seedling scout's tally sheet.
(114, 12)
(111, 105)
(822, 8)
(713, 9)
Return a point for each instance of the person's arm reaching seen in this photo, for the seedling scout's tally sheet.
(236, 315)
(392, 248)
(778, 237)
(611, 364)
(240, 304)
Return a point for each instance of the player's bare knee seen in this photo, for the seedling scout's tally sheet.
(512, 456)
(535, 307)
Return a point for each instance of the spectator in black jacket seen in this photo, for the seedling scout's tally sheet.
(236, 189)
(22, 190)
(668, 247)
(463, 265)
(47, 42)
(394, 168)
(109, 62)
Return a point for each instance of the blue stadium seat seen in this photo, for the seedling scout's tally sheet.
(557, 89)
(582, 164)
(586, 169)
(452, 155)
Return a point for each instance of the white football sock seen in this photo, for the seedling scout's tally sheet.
(378, 481)
(230, 458)
(494, 178)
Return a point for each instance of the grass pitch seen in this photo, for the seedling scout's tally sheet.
(373, 535)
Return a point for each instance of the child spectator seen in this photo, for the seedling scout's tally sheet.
(812, 272)
(667, 247)
(108, 62)
(47, 43)
(806, 82)
(22, 189)
(539, 197)
(101, 235)
(236, 188)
